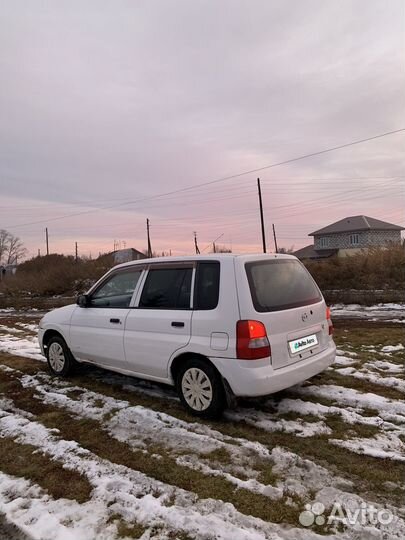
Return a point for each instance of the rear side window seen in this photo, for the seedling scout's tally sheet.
(281, 284)
(207, 285)
(167, 288)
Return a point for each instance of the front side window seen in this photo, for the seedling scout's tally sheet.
(281, 284)
(167, 288)
(117, 291)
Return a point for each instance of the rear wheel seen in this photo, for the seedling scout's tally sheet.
(60, 359)
(200, 388)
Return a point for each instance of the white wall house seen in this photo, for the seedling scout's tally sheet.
(128, 254)
(351, 235)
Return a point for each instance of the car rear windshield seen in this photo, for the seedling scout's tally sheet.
(280, 284)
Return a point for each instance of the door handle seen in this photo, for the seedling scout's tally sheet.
(178, 324)
(115, 321)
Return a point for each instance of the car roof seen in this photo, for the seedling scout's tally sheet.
(246, 257)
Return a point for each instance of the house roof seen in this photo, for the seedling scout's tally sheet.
(308, 252)
(130, 250)
(357, 223)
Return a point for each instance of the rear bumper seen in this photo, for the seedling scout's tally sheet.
(258, 378)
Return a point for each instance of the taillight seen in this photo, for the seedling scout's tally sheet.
(251, 340)
(330, 324)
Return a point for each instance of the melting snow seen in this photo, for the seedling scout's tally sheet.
(134, 496)
(385, 446)
(388, 311)
(393, 348)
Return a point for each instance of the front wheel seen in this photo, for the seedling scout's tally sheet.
(201, 389)
(60, 359)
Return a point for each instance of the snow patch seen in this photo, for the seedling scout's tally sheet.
(393, 348)
(261, 420)
(384, 446)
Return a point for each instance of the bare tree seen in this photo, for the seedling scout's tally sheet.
(11, 248)
(4, 235)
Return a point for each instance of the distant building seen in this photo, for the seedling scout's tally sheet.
(7, 270)
(126, 255)
(350, 235)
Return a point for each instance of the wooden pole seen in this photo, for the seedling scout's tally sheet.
(275, 238)
(261, 215)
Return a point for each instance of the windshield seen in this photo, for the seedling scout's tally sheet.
(281, 284)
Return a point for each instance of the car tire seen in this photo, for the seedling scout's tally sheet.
(60, 359)
(200, 389)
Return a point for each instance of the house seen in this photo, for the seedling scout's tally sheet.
(126, 255)
(349, 236)
(7, 270)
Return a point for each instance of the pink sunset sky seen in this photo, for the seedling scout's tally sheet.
(109, 108)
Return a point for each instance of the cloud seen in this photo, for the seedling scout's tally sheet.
(102, 101)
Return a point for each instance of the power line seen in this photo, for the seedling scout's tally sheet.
(244, 194)
(278, 189)
(165, 223)
(280, 182)
(223, 179)
(213, 242)
(324, 198)
(333, 204)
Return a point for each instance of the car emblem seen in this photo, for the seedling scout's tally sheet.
(304, 317)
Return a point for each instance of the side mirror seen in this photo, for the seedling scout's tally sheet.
(83, 300)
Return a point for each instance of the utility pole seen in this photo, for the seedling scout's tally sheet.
(47, 241)
(261, 215)
(214, 249)
(275, 238)
(149, 244)
(197, 249)
(76, 252)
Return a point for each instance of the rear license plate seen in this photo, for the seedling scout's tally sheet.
(298, 345)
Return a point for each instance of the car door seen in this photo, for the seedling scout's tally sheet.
(160, 324)
(97, 331)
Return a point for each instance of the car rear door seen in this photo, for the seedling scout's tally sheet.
(282, 294)
(160, 323)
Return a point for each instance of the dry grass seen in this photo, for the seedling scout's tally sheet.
(374, 270)
(55, 275)
(90, 435)
(25, 461)
(125, 529)
(361, 385)
(365, 333)
(369, 474)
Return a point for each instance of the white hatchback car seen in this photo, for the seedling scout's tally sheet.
(216, 327)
